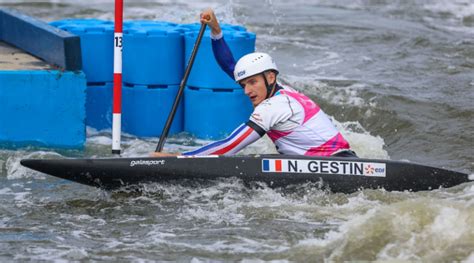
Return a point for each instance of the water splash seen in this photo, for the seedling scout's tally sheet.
(16, 171)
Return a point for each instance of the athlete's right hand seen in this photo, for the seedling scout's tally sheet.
(163, 154)
(208, 17)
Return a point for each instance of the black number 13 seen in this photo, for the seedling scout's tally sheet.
(118, 42)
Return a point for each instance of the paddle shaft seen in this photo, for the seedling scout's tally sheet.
(167, 126)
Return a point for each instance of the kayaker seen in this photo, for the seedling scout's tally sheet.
(294, 123)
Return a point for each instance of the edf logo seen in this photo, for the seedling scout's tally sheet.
(240, 73)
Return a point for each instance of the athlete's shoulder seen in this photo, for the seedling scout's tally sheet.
(274, 104)
(271, 111)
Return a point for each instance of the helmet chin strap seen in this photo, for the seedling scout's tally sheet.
(270, 88)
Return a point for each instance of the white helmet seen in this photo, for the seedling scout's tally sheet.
(253, 64)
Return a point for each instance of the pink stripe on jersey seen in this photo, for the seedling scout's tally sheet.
(275, 135)
(310, 108)
(336, 143)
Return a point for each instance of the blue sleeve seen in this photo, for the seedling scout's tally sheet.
(223, 56)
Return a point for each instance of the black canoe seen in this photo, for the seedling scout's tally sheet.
(339, 174)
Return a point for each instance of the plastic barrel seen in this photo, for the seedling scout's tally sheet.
(214, 113)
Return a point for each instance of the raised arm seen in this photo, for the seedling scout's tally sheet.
(220, 48)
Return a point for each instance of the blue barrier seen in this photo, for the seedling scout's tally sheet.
(40, 39)
(153, 55)
(80, 21)
(44, 108)
(133, 24)
(146, 108)
(214, 114)
(96, 44)
(226, 27)
(99, 106)
(206, 72)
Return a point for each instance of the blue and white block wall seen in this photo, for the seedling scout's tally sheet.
(97, 56)
(152, 71)
(155, 54)
(39, 105)
(214, 104)
(42, 108)
(51, 107)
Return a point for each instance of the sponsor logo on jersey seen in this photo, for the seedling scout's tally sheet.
(324, 167)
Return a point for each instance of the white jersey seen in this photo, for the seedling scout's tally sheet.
(293, 121)
(297, 125)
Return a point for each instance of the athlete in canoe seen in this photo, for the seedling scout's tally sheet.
(294, 123)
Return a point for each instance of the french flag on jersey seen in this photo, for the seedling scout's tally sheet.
(272, 165)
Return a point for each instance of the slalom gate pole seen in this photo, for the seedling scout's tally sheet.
(167, 126)
(117, 92)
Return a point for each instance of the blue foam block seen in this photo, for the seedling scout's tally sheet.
(226, 27)
(40, 39)
(146, 108)
(214, 114)
(206, 73)
(45, 108)
(99, 106)
(134, 24)
(153, 55)
(80, 21)
(97, 46)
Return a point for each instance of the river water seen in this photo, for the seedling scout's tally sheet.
(397, 76)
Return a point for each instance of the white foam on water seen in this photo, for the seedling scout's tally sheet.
(361, 141)
(216, 205)
(229, 205)
(256, 260)
(76, 254)
(452, 219)
(445, 229)
(330, 58)
(62, 253)
(16, 171)
(458, 8)
(313, 86)
(238, 245)
(412, 229)
(5, 191)
(96, 221)
(335, 236)
(470, 258)
(17, 196)
(98, 137)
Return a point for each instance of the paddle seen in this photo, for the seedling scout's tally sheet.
(167, 126)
